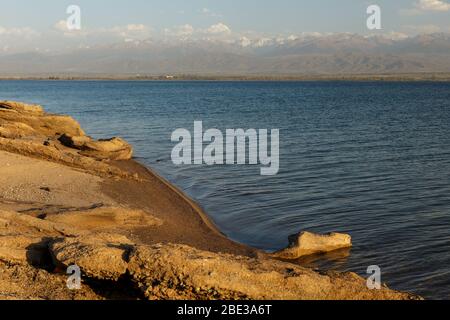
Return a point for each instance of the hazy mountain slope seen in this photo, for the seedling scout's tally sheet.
(334, 54)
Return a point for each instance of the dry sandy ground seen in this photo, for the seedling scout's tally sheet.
(40, 187)
(33, 182)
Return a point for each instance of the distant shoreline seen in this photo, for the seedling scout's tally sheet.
(429, 77)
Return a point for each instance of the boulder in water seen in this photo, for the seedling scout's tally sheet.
(307, 243)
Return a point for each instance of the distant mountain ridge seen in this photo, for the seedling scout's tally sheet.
(331, 54)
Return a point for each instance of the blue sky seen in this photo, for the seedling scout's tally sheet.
(240, 17)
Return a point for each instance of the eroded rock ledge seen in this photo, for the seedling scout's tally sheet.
(36, 247)
(28, 130)
(161, 271)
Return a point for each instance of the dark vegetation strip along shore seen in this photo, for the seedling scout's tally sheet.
(256, 77)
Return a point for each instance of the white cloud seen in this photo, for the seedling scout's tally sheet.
(136, 27)
(215, 32)
(61, 25)
(426, 6)
(128, 32)
(433, 5)
(131, 31)
(423, 29)
(219, 28)
(183, 32)
(219, 31)
(18, 32)
(410, 12)
(209, 13)
(18, 37)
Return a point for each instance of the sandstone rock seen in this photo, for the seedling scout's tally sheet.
(113, 149)
(4, 223)
(21, 107)
(24, 282)
(16, 223)
(76, 142)
(28, 130)
(163, 271)
(42, 123)
(100, 256)
(14, 130)
(307, 243)
(19, 249)
(24, 239)
(52, 153)
(181, 272)
(106, 218)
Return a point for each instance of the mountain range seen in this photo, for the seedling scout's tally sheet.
(307, 55)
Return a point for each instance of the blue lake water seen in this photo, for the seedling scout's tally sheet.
(367, 158)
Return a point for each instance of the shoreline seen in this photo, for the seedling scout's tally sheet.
(197, 207)
(205, 225)
(85, 202)
(400, 77)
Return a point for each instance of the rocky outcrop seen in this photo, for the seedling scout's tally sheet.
(26, 129)
(15, 130)
(307, 243)
(105, 218)
(181, 272)
(25, 282)
(113, 149)
(52, 151)
(25, 260)
(34, 116)
(168, 271)
(16, 223)
(161, 271)
(100, 256)
(23, 250)
(23, 238)
(22, 107)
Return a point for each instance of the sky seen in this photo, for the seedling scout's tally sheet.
(28, 24)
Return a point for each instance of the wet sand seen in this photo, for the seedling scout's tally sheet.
(185, 221)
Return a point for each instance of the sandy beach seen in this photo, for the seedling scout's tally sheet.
(68, 199)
